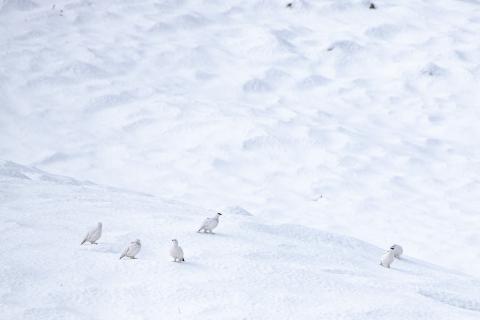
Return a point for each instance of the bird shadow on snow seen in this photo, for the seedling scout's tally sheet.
(222, 235)
(403, 270)
(341, 272)
(423, 265)
(397, 266)
(102, 247)
(189, 264)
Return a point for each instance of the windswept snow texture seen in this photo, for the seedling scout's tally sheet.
(327, 114)
(247, 270)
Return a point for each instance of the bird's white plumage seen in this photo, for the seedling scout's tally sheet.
(132, 250)
(210, 223)
(93, 235)
(397, 250)
(176, 251)
(387, 258)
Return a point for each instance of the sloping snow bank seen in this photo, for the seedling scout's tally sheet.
(249, 269)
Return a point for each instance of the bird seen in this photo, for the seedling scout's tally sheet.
(397, 250)
(387, 258)
(210, 223)
(176, 252)
(93, 235)
(132, 250)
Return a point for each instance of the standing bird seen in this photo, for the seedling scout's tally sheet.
(93, 235)
(132, 250)
(210, 223)
(176, 252)
(387, 258)
(397, 250)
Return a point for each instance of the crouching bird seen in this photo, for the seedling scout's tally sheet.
(397, 250)
(387, 258)
(132, 250)
(210, 223)
(93, 235)
(176, 252)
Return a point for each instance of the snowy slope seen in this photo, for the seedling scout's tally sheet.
(248, 270)
(361, 122)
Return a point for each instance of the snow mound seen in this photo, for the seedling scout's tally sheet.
(256, 85)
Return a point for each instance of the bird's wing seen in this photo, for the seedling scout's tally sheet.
(212, 223)
(86, 238)
(137, 248)
(205, 222)
(124, 252)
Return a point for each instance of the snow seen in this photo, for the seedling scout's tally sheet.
(248, 269)
(324, 120)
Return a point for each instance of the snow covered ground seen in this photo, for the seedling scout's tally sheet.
(301, 124)
(249, 269)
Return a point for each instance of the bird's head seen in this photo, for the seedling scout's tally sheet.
(137, 241)
(99, 224)
(175, 241)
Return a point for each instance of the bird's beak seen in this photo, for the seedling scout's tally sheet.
(219, 213)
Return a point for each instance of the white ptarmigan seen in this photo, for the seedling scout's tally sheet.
(132, 250)
(176, 252)
(93, 235)
(397, 250)
(387, 258)
(210, 223)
